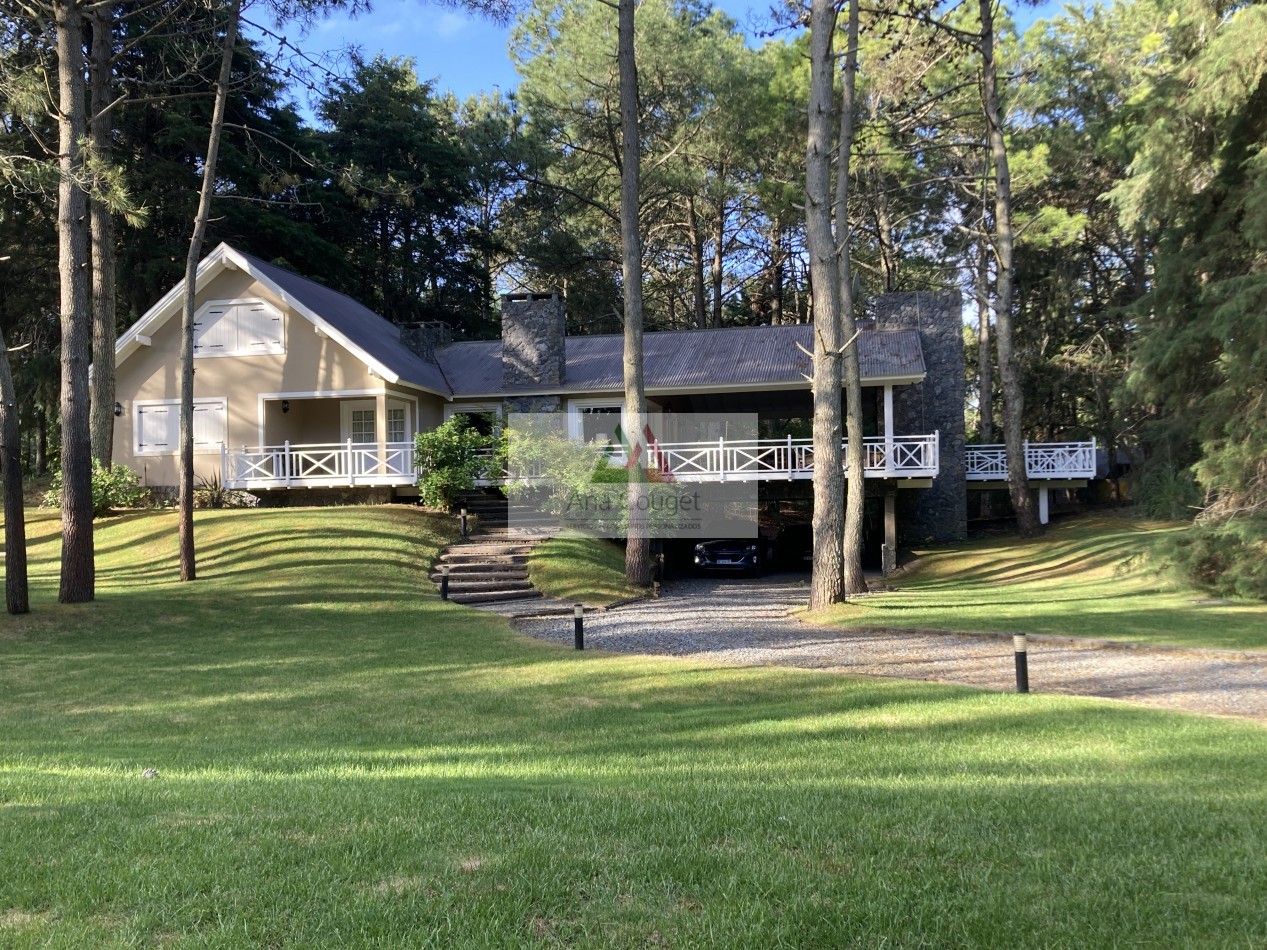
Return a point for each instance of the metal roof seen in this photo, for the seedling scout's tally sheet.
(375, 335)
(683, 359)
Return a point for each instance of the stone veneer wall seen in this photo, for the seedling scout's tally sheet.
(939, 513)
(425, 338)
(533, 345)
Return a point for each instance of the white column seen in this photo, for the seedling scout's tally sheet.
(380, 431)
(1042, 504)
(888, 428)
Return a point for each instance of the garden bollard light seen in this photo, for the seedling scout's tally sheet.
(444, 582)
(578, 625)
(1021, 647)
(465, 536)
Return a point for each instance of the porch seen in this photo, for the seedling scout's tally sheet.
(329, 465)
(1048, 465)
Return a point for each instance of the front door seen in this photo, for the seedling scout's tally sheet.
(360, 427)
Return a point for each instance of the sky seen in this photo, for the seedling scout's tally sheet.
(467, 54)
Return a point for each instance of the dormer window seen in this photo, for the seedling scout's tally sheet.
(238, 328)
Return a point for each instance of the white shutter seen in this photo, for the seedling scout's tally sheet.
(209, 426)
(214, 332)
(238, 329)
(259, 329)
(157, 428)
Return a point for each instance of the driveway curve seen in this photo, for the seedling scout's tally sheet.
(754, 623)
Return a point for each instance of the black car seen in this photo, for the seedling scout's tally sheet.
(733, 555)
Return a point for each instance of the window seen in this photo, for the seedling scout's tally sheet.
(395, 425)
(238, 328)
(363, 426)
(590, 419)
(157, 426)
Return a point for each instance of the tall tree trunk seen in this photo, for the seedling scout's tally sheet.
(101, 131)
(696, 238)
(188, 566)
(1009, 370)
(889, 255)
(855, 493)
(985, 358)
(777, 257)
(638, 543)
(985, 362)
(40, 463)
(16, 599)
(827, 578)
(78, 578)
(719, 243)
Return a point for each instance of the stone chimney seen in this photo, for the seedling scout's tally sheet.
(937, 404)
(533, 347)
(425, 338)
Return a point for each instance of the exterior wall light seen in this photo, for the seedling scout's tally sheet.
(285, 405)
(118, 409)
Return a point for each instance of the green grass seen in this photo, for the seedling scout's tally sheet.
(1088, 577)
(583, 570)
(346, 760)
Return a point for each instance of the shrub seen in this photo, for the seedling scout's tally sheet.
(113, 487)
(211, 493)
(1228, 557)
(1168, 492)
(451, 457)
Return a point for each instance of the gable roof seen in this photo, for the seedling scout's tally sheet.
(738, 357)
(358, 329)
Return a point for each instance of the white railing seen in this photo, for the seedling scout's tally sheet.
(1043, 461)
(788, 459)
(907, 456)
(323, 465)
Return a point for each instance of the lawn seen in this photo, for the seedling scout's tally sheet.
(343, 759)
(1090, 576)
(581, 569)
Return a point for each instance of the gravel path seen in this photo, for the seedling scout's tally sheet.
(751, 623)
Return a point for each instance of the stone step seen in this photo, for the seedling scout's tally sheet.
(492, 547)
(484, 577)
(495, 596)
(459, 585)
(478, 567)
(484, 558)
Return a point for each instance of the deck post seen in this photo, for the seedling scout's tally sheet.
(1043, 491)
(286, 461)
(789, 457)
(888, 552)
(380, 431)
(351, 469)
(888, 429)
(721, 457)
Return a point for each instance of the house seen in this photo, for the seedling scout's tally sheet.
(298, 387)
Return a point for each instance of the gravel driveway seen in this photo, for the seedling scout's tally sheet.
(751, 623)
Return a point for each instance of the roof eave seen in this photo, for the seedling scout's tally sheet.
(773, 386)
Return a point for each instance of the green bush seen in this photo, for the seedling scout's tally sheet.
(211, 493)
(1168, 493)
(1228, 557)
(113, 487)
(451, 457)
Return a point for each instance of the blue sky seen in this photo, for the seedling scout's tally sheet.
(467, 54)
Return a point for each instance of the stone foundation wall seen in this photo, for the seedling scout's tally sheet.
(939, 513)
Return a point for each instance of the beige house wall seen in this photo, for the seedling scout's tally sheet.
(312, 363)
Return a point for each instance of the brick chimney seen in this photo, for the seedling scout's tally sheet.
(533, 347)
